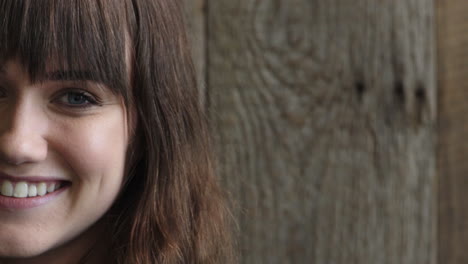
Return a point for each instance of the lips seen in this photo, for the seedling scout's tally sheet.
(25, 189)
(27, 192)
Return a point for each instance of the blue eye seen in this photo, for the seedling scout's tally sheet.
(77, 99)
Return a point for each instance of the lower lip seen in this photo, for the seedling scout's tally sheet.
(12, 203)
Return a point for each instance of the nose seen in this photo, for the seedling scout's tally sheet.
(21, 137)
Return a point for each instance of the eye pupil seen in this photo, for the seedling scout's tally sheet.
(76, 98)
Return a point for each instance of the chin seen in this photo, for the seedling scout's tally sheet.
(19, 251)
(18, 246)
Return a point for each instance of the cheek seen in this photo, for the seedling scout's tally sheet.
(94, 150)
(100, 148)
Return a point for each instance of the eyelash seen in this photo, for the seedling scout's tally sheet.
(90, 99)
(63, 96)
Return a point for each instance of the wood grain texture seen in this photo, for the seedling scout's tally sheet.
(453, 131)
(325, 112)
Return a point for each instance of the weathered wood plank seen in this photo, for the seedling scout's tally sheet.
(325, 115)
(453, 131)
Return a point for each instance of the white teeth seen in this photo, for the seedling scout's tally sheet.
(32, 191)
(51, 187)
(7, 188)
(21, 190)
(41, 188)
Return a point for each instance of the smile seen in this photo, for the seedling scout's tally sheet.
(29, 192)
(24, 189)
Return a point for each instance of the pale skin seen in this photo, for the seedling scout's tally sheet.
(52, 129)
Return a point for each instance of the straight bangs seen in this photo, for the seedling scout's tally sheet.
(68, 40)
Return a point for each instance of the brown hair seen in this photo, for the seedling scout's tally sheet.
(171, 209)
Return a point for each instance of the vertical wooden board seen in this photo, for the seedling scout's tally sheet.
(196, 25)
(453, 131)
(325, 112)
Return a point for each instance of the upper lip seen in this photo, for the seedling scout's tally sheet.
(9, 177)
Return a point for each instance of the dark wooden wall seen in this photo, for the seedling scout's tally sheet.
(339, 126)
(453, 131)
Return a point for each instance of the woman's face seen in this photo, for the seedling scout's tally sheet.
(57, 133)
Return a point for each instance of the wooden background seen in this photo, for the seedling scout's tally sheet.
(453, 131)
(340, 126)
